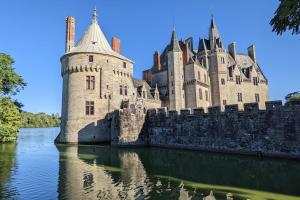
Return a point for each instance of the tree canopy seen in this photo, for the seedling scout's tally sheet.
(39, 120)
(287, 17)
(10, 84)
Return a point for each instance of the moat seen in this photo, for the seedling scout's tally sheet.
(36, 168)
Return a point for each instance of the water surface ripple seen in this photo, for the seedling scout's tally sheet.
(35, 168)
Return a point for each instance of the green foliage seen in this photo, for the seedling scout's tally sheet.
(39, 120)
(8, 133)
(10, 120)
(295, 98)
(287, 17)
(10, 82)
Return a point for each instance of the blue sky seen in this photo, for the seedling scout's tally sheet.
(33, 33)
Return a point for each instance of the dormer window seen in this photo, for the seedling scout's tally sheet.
(91, 58)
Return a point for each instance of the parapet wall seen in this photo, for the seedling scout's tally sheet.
(272, 132)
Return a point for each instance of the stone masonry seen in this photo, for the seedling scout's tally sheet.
(273, 132)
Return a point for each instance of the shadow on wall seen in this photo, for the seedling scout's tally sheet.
(96, 132)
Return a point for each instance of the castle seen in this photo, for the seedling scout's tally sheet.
(98, 80)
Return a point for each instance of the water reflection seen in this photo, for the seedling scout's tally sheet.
(104, 172)
(7, 163)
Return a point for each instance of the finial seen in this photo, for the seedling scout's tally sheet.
(95, 14)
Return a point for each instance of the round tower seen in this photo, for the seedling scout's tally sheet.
(96, 79)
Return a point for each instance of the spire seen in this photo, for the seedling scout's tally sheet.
(214, 34)
(95, 15)
(174, 45)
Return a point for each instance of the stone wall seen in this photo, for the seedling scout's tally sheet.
(127, 127)
(272, 132)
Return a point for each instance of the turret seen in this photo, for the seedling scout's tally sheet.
(214, 35)
(70, 33)
(252, 53)
(175, 75)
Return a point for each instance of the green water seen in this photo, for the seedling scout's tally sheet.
(35, 168)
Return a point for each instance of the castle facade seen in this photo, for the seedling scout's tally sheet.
(207, 76)
(98, 80)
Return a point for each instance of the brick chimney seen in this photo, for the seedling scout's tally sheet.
(156, 60)
(116, 44)
(185, 53)
(70, 33)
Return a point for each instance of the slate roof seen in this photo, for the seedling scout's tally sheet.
(94, 41)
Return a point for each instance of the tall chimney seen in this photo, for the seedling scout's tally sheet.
(70, 33)
(156, 60)
(185, 53)
(232, 50)
(116, 44)
(252, 53)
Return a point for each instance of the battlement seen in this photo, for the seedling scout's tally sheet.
(273, 106)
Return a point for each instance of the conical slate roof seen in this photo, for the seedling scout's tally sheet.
(94, 41)
(174, 45)
(214, 29)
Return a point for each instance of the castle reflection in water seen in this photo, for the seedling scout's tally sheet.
(104, 172)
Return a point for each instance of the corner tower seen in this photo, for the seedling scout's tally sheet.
(175, 75)
(96, 79)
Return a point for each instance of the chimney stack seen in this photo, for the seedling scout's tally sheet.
(185, 53)
(252, 53)
(116, 44)
(232, 50)
(70, 33)
(156, 59)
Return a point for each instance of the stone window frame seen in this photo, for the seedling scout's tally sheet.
(89, 108)
(144, 94)
(91, 58)
(240, 97)
(255, 80)
(121, 90)
(200, 94)
(125, 90)
(257, 98)
(90, 82)
(238, 79)
(222, 81)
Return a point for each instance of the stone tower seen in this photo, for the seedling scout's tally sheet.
(96, 79)
(175, 75)
(217, 65)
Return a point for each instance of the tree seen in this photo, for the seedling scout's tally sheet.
(287, 17)
(10, 82)
(10, 120)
